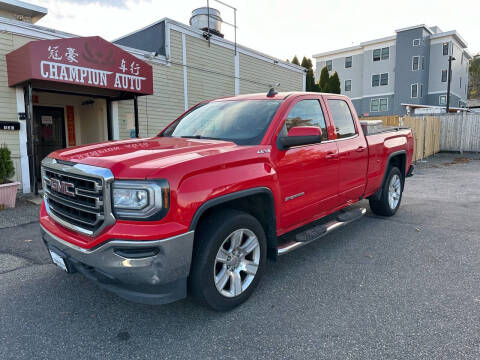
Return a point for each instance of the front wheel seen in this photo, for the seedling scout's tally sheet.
(229, 259)
(391, 194)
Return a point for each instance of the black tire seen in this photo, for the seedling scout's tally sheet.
(382, 206)
(209, 237)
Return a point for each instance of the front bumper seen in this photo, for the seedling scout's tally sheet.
(149, 272)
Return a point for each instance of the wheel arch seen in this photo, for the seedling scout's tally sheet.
(397, 159)
(259, 202)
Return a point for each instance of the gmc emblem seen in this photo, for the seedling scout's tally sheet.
(62, 187)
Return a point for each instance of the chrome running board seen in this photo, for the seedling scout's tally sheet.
(319, 231)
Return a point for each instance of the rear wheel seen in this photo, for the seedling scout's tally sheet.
(391, 195)
(229, 259)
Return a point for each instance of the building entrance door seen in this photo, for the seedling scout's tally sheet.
(49, 133)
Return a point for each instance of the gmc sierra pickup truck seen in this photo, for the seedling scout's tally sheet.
(231, 181)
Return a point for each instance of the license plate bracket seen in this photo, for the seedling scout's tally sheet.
(58, 260)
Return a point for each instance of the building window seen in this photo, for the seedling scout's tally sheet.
(445, 48)
(414, 91)
(348, 62)
(385, 53)
(420, 92)
(374, 105)
(348, 85)
(423, 63)
(415, 63)
(375, 80)
(384, 104)
(416, 42)
(384, 79)
(381, 54)
(460, 82)
(444, 75)
(442, 99)
(329, 65)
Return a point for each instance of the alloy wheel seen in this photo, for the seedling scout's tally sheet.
(236, 263)
(394, 191)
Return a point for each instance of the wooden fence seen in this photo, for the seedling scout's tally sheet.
(426, 132)
(390, 120)
(460, 132)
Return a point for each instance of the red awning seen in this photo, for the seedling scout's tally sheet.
(85, 61)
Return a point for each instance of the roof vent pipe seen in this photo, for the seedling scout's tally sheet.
(200, 20)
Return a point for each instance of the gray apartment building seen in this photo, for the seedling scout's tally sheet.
(381, 76)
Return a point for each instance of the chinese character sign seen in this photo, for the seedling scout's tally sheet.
(89, 61)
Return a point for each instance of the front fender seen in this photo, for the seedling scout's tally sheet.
(225, 183)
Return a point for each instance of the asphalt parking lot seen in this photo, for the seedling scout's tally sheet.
(406, 287)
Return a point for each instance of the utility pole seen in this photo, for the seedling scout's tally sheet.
(449, 80)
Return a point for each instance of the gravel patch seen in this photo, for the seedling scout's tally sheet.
(446, 159)
(9, 262)
(24, 212)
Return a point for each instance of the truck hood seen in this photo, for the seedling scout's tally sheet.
(142, 158)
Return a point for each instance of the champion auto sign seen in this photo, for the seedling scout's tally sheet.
(90, 61)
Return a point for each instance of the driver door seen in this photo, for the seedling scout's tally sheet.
(307, 174)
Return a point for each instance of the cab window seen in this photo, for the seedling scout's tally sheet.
(342, 118)
(306, 113)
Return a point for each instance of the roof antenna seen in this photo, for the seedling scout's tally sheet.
(272, 92)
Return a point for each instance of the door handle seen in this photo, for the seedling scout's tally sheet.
(331, 155)
(360, 149)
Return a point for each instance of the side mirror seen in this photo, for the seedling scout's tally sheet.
(301, 135)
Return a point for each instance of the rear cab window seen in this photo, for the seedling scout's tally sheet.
(342, 118)
(306, 112)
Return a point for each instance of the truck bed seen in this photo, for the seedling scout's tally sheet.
(382, 142)
(376, 127)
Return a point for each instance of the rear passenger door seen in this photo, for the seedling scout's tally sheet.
(352, 150)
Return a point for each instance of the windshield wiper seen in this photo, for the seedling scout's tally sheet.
(199, 137)
(191, 137)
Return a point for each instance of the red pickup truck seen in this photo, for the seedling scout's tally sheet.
(201, 205)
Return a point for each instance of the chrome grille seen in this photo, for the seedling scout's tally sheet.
(77, 196)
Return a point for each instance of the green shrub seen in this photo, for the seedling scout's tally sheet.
(6, 165)
(323, 83)
(334, 84)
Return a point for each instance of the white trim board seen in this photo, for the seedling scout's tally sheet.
(452, 33)
(444, 92)
(24, 8)
(372, 95)
(415, 27)
(185, 81)
(357, 49)
(350, 51)
(22, 138)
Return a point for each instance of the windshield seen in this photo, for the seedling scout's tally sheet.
(243, 122)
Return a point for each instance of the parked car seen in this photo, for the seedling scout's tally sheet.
(201, 205)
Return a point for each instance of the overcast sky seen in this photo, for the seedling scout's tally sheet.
(277, 27)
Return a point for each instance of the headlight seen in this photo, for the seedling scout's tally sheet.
(130, 199)
(140, 200)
